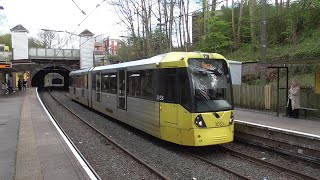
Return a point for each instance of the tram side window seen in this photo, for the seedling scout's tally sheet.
(98, 88)
(93, 81)
(134, 83)
(81, 81)
(147, 87)
(105, 83)
(85, 81)
(113, 83)
(98, 82)
(78, 79)
(71, 80)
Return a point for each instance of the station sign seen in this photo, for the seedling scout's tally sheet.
(317, 83)
(4, 65)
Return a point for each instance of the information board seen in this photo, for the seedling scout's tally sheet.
(317, 83)
(5, 65)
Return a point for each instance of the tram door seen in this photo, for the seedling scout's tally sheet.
(98, 86)
(122, 89)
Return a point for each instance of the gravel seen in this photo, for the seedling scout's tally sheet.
(245, 167)
(282, 160)
(168, 158)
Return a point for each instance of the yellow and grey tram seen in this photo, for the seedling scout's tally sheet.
(181, 97)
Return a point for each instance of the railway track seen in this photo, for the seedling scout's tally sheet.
(274, 167)
(140, 161)
(229, 170)
(267, 164)
(296, 144)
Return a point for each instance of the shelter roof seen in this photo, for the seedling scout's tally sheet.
(86, 33)
(19, 28)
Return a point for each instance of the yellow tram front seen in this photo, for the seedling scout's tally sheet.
(203, 114)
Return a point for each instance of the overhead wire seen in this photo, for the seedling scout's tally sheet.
(79, 7)
(98, 5)
(73, 32)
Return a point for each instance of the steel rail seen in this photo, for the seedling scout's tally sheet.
(267, 164)
(74, 146)
(216, 165)
(113, 142)
(310, 159)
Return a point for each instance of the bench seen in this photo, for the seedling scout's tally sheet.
(305, 110)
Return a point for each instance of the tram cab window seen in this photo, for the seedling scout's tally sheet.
(134, 83)
(211, 81)
(147, 87)
(113, 83)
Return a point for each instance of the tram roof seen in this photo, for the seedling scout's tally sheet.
(167, 57)
(80, 70)
(152, 60)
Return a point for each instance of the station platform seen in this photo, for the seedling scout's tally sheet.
(31, 146)
(308, 127)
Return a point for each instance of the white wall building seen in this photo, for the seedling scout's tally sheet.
(19, 42)
(236, 71)
(86, 49)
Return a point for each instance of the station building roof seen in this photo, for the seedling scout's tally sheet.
(19, 28)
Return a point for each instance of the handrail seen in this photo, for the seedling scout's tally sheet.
(40, 53)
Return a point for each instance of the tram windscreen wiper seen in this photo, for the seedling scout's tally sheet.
(209, 71)
(216, 114)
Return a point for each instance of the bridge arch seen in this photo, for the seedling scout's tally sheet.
(41, 67)
(37, 79)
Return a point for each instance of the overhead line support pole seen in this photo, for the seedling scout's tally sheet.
(263, 45)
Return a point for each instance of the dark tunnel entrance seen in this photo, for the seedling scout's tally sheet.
(38, 78)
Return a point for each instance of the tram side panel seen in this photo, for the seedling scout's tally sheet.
(79, 88)
(140, 113)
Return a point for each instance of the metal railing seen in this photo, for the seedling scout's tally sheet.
(59, 54)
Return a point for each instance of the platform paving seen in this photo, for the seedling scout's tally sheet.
(10, 109)
(31, 147)
(308, 126)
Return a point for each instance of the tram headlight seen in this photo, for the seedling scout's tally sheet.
(199, 121)
(231, 118)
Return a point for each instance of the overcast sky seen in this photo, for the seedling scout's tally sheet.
(61, 15)
(64, 15)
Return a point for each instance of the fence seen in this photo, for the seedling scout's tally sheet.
(63, 54)
(265, 98)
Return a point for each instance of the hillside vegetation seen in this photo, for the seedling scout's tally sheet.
(308, 46)
(293, 30)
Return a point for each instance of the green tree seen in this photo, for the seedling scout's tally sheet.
(35, 43)
(218, 37)
(6, 39)
(47, 38)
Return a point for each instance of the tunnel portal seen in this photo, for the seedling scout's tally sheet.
(39, 77)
